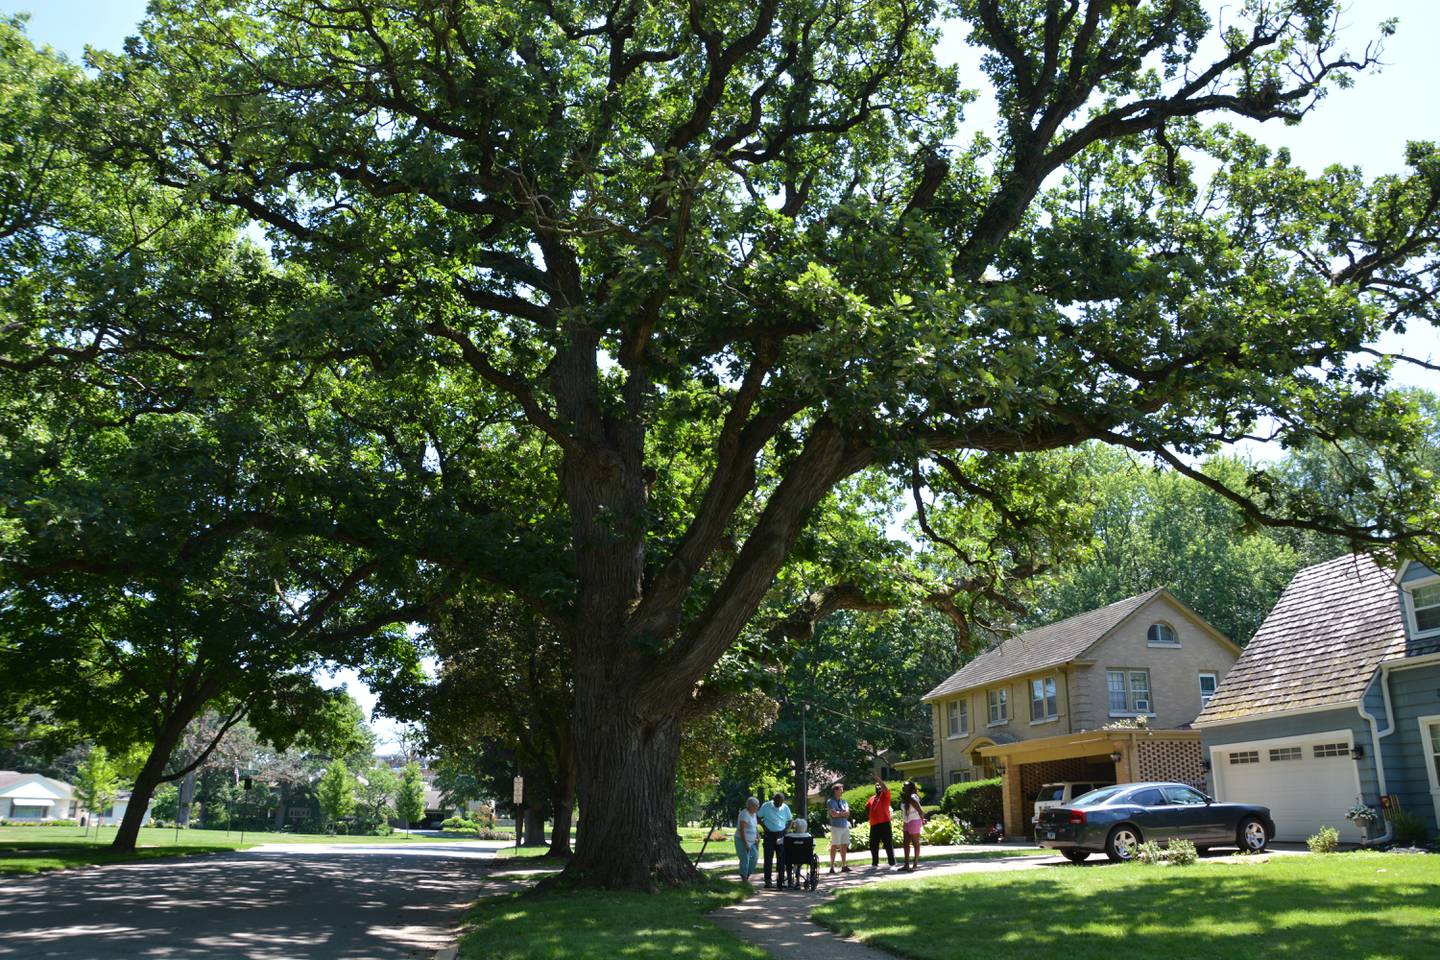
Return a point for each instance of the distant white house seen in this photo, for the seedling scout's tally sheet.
(29, 796)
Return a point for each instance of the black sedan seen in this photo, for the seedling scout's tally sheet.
(1116, 820)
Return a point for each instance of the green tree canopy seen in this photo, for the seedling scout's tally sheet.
(410, 795)
(336, 791)
(97, 783)
(613, 302)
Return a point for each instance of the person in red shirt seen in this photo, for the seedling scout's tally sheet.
(877, 811)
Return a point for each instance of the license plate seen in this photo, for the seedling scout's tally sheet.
(1049, 834)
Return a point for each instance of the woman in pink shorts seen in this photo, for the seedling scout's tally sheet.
(914, 823)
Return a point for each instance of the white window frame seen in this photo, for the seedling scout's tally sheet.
(1130, 698)
(1205, 697)
(1432, 758)
(997, 697)
(1174, 635)
(1049, 700)
(959, 712)
(1410, 619)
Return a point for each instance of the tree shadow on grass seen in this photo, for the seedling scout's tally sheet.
(582, 924)
(1224, 914)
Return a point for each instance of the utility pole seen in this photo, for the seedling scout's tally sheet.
(804, 777)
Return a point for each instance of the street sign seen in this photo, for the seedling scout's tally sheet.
(519, 790)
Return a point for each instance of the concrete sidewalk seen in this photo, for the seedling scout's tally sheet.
(778, 921)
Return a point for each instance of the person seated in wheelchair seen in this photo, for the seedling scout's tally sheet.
(802, 866)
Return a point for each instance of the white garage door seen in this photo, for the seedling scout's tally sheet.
(1307, 782)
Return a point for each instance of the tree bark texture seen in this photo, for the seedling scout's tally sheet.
(150, 776)
(626, 787)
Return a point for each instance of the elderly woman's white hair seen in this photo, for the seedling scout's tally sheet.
(751, 802)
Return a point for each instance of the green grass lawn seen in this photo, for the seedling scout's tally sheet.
(579, 925)
(1351, 905)
(32, 849)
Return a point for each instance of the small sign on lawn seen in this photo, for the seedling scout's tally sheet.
(519, 790)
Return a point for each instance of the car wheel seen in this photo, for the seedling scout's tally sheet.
(1075, 856)
(1251, 836)
(1122, 844)
(1202, 851)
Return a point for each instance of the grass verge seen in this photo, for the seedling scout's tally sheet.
(1356, 905)
(586, 924)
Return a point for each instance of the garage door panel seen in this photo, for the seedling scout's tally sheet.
(1304, 788)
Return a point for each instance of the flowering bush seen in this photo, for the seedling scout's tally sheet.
(1362, 815)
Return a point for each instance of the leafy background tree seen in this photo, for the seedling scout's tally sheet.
(410, 796)
(336, 792)
(97, 785)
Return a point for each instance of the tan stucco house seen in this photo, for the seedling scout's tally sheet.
(1108, 695)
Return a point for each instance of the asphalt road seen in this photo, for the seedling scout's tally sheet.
(301, 902)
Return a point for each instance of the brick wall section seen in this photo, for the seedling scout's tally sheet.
(1163, 758)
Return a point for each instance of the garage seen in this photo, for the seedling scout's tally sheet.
(1307, 782)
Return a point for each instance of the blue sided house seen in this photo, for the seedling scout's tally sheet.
(1335, 703)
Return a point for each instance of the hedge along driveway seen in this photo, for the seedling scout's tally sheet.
(1358, 905)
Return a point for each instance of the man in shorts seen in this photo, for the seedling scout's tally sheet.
(839, 812)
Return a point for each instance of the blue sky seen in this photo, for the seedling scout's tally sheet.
(1367, 125)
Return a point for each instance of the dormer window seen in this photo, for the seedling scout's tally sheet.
(1425, 608)
(1161, 634)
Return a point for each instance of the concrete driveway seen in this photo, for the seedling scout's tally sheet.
(292, 902)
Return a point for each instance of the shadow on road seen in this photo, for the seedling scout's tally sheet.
(259, 905)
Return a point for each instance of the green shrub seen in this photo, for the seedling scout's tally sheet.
(930, 810)
(978, 803)
(39, 823)
(1150, 852)
(860, 836)
(1182, 853)
(1179, 852)
(941, 830)
(856, 797)
(1326, 841)
(1410, 830)
(459, 825)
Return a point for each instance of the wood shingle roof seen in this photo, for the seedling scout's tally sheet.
(1320, 644)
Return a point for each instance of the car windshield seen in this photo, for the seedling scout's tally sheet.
(1096, 797)
(1051, 793)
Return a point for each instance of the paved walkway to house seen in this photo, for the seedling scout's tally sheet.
(279, 902)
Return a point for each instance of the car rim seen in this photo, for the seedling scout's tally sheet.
(1254, 835)
(1125, 844)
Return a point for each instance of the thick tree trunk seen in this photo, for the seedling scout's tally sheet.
(146, 781)
(282, 804)
(534, 825)
(564, 793)
(626, 786)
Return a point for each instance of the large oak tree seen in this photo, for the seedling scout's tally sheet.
(625, 290)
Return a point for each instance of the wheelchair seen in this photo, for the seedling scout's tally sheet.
(802, 866)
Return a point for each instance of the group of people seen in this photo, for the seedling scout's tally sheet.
(764, 826)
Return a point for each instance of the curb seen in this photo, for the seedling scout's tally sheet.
(449, 953)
